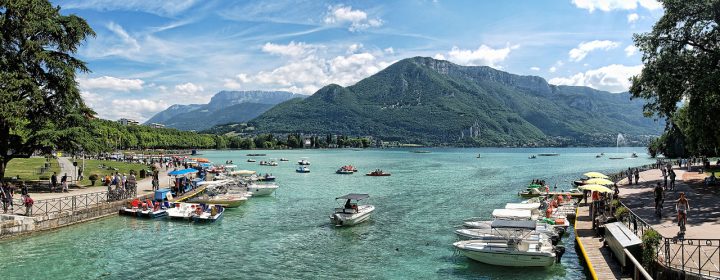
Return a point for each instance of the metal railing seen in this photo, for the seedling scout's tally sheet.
(638, 270)
(698, 256)
(73, 203)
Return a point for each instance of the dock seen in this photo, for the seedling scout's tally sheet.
(189, 194)
(599, 259)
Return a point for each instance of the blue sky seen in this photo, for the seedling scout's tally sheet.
(148, 55)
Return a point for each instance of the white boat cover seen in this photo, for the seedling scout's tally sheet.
(513, 214)
(523, 206)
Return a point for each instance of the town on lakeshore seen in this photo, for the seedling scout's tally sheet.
(409, 139)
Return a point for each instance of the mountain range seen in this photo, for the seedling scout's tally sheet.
(224, 107)
(428, 101)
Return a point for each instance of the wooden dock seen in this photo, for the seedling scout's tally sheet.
(189, 194)
(599, 259)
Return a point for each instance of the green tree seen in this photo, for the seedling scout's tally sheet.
(41, 107)
(681, 59)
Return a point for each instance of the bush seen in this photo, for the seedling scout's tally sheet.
(621, 212)
(650, 242)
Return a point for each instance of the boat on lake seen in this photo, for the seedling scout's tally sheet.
(226, 200)
(182, 211)
(519, 247)
(532, 157)
(265, 178)
(378, 173)
(302, 169)
(261, 189)
(421, 152)
(207, 213)
(634, 155)
(347, 169)
(303, 162)
(256, 155)
(284, 159)
(351, 213)
(548, 154)
(156, 208)
(251, 160)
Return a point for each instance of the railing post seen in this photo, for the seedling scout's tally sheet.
(682, 254)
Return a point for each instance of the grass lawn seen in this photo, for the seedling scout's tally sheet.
(29, 168)
(93, 167)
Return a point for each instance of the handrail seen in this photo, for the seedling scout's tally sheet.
(638, 266)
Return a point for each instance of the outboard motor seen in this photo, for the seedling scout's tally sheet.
(560, 231)
(554, 239)
(559, 251)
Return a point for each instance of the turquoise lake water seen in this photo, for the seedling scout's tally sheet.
(288, 235)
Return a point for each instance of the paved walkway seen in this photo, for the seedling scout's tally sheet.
(704, 214)
(66, 167)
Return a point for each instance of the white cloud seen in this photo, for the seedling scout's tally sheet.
(358, 19)
(582, 50)
(110, 83)
(630, 50)
(189, 88)
(483, 55)
(308, 74)
(535, 68)
(552, 69)
(613, 78)
(291, 49)
(389, 50)
(439, 56)
(608, 5)
(354, 48)
(631, 18)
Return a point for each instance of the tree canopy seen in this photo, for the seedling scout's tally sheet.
(681, 57)
(41, 106)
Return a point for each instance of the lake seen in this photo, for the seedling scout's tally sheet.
(288, 235)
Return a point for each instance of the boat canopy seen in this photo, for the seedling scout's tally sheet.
(354, 196)
(513, 224)
(243, 172)
(182, 172)
(522, 206)
(511, 214)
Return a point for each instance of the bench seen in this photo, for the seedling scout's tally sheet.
(619, 237)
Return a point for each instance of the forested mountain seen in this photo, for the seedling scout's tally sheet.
(224, 107)
(428, 101)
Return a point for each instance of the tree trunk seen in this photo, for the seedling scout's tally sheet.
(3, 164)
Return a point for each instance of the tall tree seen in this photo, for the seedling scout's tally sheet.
(41, 107)
(681, 57)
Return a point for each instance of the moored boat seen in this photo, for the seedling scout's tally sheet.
(378, 173)
(207, 213)
(302, 169)
(262, 189)
(351, 213)
(303, 162)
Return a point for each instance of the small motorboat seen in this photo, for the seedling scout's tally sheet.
(421, 152)
(262, 162)
(272, 163)
(634, 155)
(351, 213)
(182, 211)
(148, 209)
(256, 155)
(548, 154)
(262, 189)
(207, 213)
(598, 156)
(616, 158)
(519, 248)
(284, 159)
(347, 169)
(302, 169)
(532, 157)
(476, 229)
(251, 160)
(478, 156)
(303, 162)
(378, 173)
(225, 200)
(265, 178)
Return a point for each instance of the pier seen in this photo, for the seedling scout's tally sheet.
(599, 259)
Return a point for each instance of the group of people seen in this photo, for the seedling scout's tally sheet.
(121, 182)
(630, 173)
(7, 191)
(64, 181)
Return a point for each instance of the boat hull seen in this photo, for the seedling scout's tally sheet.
(261, 190)
(510, 259)
(341, 219)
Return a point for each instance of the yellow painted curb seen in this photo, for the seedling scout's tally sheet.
(582, 249)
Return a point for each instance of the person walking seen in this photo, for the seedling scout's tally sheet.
(672, 179)
(665, 175)
(64, 183)
(637, 176)
(28, 202)
(629, 176)
(658, 191)
(53, 182)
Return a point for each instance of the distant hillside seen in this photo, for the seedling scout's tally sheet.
(224, 107)
(423, 100)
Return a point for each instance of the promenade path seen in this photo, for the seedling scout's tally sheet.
(144, 186)
(703, 218)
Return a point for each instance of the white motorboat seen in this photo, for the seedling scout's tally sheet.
(519, 247)
(262, 189)
(475, 229)
(303, 162)
(182, 211)
(514, 214)
(302, 169)
(351, 213)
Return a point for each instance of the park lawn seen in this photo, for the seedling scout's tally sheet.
(93, 167)
(29, 168)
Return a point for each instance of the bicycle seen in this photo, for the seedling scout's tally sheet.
(681, 221)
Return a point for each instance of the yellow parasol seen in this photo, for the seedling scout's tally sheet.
(595, 188)
(595, 175)
(599, 181)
